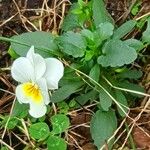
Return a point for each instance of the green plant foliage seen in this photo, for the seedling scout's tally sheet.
(57, 143)
(100, 14)
(103, 125)
(4, 148)
(122, 100)
(124, 29)
(43, 42)
(95, 72)
(91, 47)
(136, 44)
(71, 20)
(136, 8)
(60, 123)
(20, 110)
(105, 100)
(65, 91)
(132, 86)
(39, 131)
(131, 74)
(116, 53)
(10, 123)
(105, 30)
(72, 44)
(146, 33)
(84, 98)
(12, 53)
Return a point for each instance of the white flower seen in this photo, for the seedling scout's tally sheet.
(36, 76)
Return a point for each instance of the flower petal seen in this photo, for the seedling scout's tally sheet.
(43, 87)
(37, 110)
(20, 94)
(54, 72)
(37, 62)
(22, 70)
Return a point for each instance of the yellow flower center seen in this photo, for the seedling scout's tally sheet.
(33, 92)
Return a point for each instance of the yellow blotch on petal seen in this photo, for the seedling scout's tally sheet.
(33, 92)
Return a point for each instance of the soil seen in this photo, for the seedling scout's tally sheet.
(19, 16)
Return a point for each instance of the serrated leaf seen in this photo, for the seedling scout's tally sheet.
(60, 123)
(122, 100)
(105, 30)
(105, 100)
(39, 130)
(71, 20)
(73, 44)
(116, 53)
(100, 14)
(56, 143)
(95, 73)
(146, 33)
(136, 44)
(103, 125)
(43, 42)
(124, 29)
(65, 91)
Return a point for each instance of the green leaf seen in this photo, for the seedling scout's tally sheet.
(121, 99)
(116, 53)
(105, 30)
(95, 73)
(60, 123)
(43, 42)
(73, 44)
(12, 53)
(12, 123)
(71, 20)
(20, 110)
(132, 86)
(63, 107)
(131, 74)
(100, 14)
(146, 33)
(39, 130)
(105, 100)
(65, 91)
(103, 125)
(56, 143)
(136, 44)
(4, 148)
(124, 29)
(87, 34)
(83, 98)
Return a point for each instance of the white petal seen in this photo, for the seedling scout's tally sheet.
(37, 110)
(20, 94)
(43, 87)
(22, 70)
(54, 72)
(38, 63)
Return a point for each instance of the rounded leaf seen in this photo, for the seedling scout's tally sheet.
(60, 123)
(56, 143)
(39, 130)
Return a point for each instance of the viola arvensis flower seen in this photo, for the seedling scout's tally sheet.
(36, 76)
